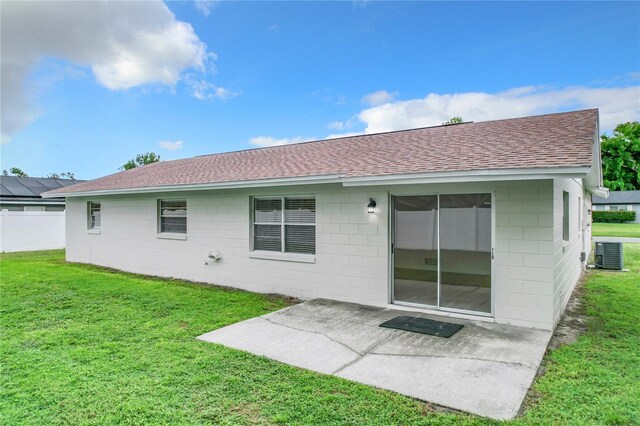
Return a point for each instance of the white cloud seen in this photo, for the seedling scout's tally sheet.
(126, 44)
(203, 89)
(171, 146)
(378, 98)
(273, 28)
(343, 125)
(616, 105)
(264, 141)
(205, 6)
(343, 135)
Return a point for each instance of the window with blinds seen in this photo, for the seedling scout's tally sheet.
(173, 216)
(93, 215)
(285, 224)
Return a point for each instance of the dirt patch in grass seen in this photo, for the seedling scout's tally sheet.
(573, 321)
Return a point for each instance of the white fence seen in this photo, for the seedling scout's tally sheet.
(23, 231)
(461, 229)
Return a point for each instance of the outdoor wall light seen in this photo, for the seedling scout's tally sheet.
(371, 207)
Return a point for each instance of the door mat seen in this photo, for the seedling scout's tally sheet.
(423, 325)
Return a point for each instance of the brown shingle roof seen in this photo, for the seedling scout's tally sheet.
(552, 140)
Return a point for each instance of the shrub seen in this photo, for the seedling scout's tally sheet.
(613, 216)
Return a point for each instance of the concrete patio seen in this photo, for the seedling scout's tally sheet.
(485, 368)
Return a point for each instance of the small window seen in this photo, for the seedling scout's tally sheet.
(33, 208)
(93, 219)
(173, 216)
(579, 215)
(565, 215)
(292, 230)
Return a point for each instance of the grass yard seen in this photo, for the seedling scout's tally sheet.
(616, 230)
(86, 345)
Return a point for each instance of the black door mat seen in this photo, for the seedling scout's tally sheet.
(423, 325)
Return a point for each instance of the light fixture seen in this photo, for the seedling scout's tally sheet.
(371, 207)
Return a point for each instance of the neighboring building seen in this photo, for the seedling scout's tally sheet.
(23, 193)
(619, 200)
(488, 219)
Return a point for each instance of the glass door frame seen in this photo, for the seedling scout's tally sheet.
(392, 237)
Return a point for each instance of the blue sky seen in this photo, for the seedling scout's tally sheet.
(93, 86)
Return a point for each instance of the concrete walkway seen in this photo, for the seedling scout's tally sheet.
(485, 368)
(616, 239)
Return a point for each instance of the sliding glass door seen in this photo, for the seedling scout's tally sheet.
(442, 251)
(416, 250)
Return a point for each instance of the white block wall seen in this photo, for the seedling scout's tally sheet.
(566, 254)
(351, 257)
(352, 246)
(524, 254)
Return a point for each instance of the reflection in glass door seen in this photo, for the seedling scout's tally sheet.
(442, 251)
(465, 252)
(416, 250)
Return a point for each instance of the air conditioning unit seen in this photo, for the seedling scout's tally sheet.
(609, 256)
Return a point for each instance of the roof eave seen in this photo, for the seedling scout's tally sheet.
(494, 175)
(304, 180)
(396, 179)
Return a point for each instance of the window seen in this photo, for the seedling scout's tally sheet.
(292, 230)
(173, 216)
(565, 215)
(579, 215)
(93, 217)
(33, 208)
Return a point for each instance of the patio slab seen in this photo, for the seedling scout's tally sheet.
(484, 369)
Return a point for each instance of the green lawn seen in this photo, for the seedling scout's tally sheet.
(85, 345)
(616, 230)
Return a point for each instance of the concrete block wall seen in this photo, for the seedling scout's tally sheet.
(524, 253)
(352, 246)
(566, 254)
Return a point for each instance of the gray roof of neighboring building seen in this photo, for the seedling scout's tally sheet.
(14, 188)
(618, 197)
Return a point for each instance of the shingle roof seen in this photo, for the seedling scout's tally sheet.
(618, 197)
(544, 141)
(15, 187)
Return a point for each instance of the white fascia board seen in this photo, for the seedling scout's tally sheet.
(305, 180)
(469, 176)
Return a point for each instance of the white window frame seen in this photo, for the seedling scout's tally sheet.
(566, 216)
(282, 254)
(91, 227)
(172, 235)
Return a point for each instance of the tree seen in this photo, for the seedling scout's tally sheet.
(141, 160)
(14, 171)
(621, 157)
(453, 120)
(63, 175)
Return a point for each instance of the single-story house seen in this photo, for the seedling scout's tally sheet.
(19, 193)
(485, 220)
(619, 200)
